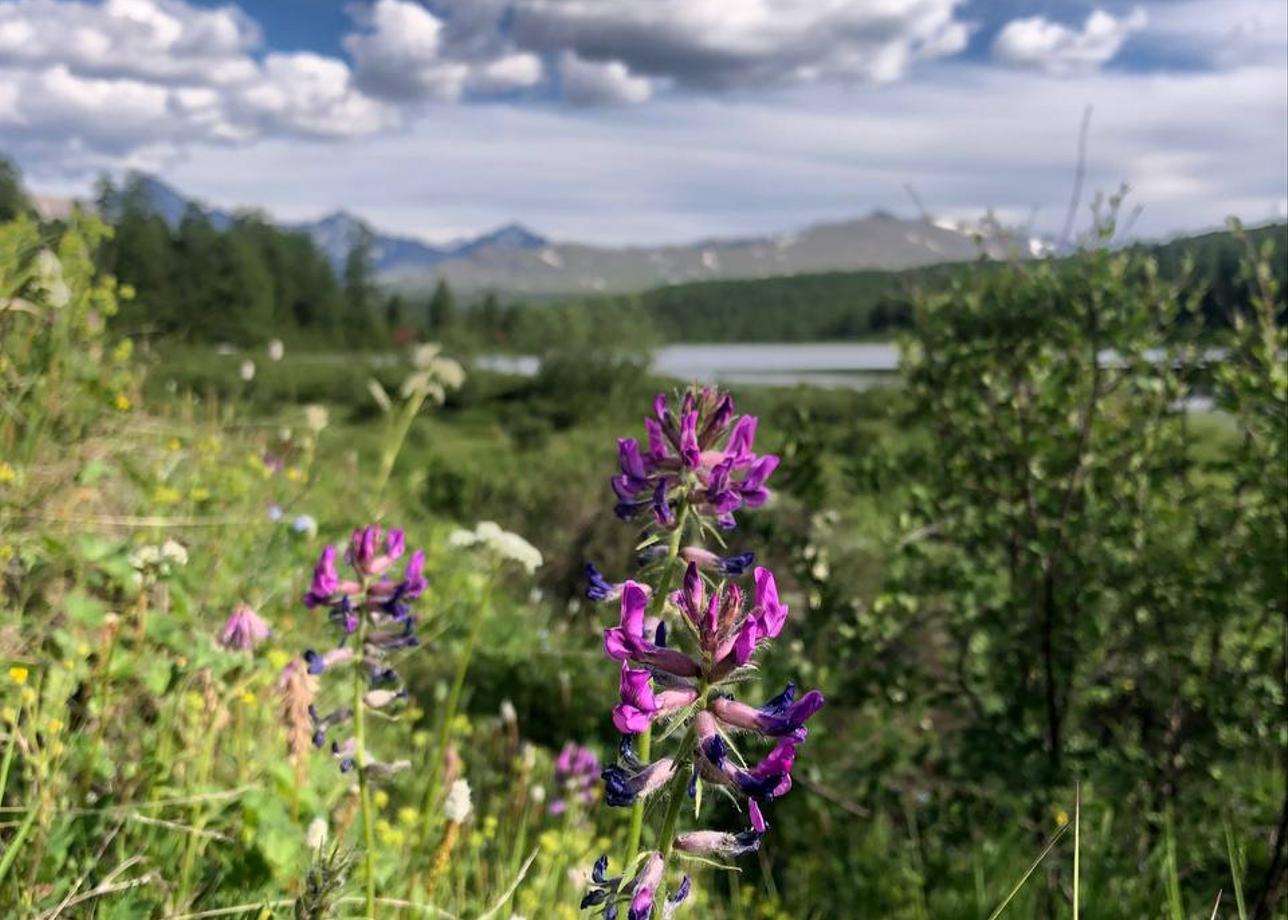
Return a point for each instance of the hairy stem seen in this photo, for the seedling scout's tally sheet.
(364, 793)
(645, 742)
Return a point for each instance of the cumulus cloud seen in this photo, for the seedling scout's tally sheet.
(403, 52)
(86, 81)
(595, 83)
(1039, 43)
(706, 44)
(156, 40)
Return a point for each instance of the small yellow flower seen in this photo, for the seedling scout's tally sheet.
(122, 403)
(166, 495)
(55, 726)
(28, 696)
(1061, 817)
(408, 816)
(7, 472)
(278, 658)
(173, 444)
(18, 674)
(294, 474)
(248, 698)
(56, 749)
(7, 552)
(380, 799)
(199, 494)
(9, 714)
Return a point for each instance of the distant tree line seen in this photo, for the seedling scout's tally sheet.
(247, 279)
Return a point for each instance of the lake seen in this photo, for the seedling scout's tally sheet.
(854, 365)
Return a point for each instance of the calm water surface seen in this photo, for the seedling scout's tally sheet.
(825, 364)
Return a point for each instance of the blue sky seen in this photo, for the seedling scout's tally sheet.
(644, 121)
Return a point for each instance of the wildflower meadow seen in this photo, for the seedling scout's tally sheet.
(288, 633)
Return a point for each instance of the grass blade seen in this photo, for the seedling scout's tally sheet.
(1174, 905)
(1217, 905)
(1033, 868)
(1236, 872)
(1077, 845)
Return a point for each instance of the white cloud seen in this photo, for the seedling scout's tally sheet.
(596, 83)
(154, 40)
(708, 44)
(1195, 147)
(1039, 43)
(147, 77)
(519, 70)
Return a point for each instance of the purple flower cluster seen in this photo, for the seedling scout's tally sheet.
(576, 773)
(700, 458)
(371, 604)
(690, 481)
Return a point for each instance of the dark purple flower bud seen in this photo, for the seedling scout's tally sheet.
(690, 453)
(777, 718)
(718, 843)
(711, 562)
(662, 512)
(622, 786)
(598, 588)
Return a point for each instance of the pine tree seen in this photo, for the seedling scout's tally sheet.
(441, 314)
(13, 200)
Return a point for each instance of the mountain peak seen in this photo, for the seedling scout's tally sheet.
(511, 236)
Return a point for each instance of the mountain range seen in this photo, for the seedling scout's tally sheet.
(514, 260)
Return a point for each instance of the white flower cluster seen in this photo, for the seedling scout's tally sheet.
(158, 561)
(434, 374)
(503, 543)
(457, 806)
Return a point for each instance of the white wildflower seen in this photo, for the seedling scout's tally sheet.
(457, 805)
(316, 834)
(449, 372)
(304, 524)
(247, 370)
(422, 356)
(503, 543)
(538, 793)
(49, 279)
(316, 418)
(276, 350)
(508, 714)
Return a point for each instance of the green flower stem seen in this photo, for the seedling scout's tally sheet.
(449, 712)
(645, 743)
(676, 792)
(394, 447)
(364, 793)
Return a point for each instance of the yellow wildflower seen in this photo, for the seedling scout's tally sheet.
(1061, 816)
(294, 474)
(28, 695)
(173, 444)
(9, 714)
(122, 402)
(199, 494)
(248, 698)
(18, 674)
(7, 472)
(55, 726)
(166, 495)
(408, 816)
